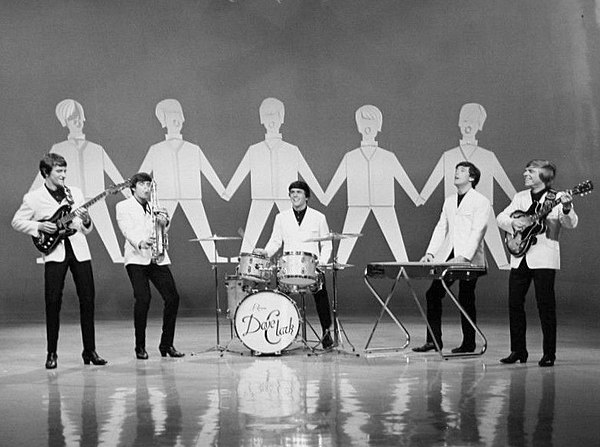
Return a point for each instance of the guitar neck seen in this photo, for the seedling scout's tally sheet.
(545, 209)
(70, 216)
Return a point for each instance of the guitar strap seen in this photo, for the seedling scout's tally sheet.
(69, 196)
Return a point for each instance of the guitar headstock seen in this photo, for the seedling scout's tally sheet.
(583, 188)
(119, 187)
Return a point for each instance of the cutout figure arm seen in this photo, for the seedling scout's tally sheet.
(326, 246)
(402, 177)
(276, 237)
(238, 177)
(336, 182)
(211, 175)
(113, 173)
(502, 178)
(37, 182)
(147, 164)
(437, 175)
(310, 178)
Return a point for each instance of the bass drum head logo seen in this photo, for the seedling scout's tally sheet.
(267, 322)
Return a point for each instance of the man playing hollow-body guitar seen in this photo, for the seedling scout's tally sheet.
(540, 262)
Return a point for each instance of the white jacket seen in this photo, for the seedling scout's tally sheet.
(545, 253)
(136, 226)
(39, 205)
(461, 228)
(286, 231)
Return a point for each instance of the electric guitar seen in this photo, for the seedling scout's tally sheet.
(519, 242)
(47, 242)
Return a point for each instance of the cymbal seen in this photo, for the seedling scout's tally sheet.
(215, 238)
(333, 237)
(336, 265)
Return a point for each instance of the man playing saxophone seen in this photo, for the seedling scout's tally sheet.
(144, 225)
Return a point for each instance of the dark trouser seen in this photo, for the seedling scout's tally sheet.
(160, 275)
(54, 283)
(322, 304)
(518, 285)
(466, 298)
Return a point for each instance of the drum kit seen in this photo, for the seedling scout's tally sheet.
(265, 319)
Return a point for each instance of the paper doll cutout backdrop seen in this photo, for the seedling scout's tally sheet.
(86, 164)
(371, 173)
(176, 166)
(272, 164)
(470, 121)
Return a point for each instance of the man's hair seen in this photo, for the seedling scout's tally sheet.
(546, 167)
(48, 162)
(139, 177)
(299, 184)
(474, 171)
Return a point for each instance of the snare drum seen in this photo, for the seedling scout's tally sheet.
(254, 267)
(297, 269)
(236, 292)
(267, 322)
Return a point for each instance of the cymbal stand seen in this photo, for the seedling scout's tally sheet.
(217, 347)
(338, 329)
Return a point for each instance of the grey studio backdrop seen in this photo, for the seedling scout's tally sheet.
(534, 66)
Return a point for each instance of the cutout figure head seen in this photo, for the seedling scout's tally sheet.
(272, 115)
(70, 114)
(471, 119)
(369, 120)
(170, 115)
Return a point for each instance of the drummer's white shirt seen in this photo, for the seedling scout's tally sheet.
(294, 237)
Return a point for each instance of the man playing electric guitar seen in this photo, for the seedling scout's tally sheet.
(71, 253)
(540, 262)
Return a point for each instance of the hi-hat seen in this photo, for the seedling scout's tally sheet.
(333, 237)
(335, 266)
(215, 238)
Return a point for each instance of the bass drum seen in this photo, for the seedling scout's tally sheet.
(267, 322)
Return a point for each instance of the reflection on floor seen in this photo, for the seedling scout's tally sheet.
(295, 399)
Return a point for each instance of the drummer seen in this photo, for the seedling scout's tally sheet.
(293, 228)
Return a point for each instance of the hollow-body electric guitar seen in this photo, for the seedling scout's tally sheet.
(519, 242)
(47, 242)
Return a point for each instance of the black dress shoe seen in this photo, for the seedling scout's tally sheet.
(170, 350)
(140, 353)
(462, 349)
(426, 347)
(51, 360)
(514, 356)
(326, 341)
(547, 360)
(92, 356)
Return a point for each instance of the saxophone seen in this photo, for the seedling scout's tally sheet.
(160, 239)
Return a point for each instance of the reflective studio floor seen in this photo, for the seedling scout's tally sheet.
(204, 399)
